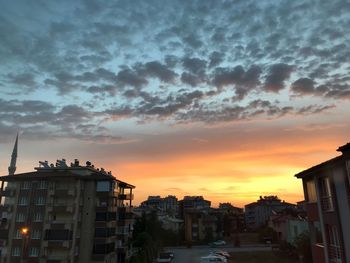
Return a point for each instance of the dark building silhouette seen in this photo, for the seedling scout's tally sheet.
(327, 196)
(258, 213)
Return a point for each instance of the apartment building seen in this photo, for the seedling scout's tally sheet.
(168, 204)
(327, 196)
(200, 225)
(258, 213)
(65, 213)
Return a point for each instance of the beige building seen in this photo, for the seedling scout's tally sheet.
(62, 213)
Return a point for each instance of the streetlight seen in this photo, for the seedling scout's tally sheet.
(24, 231)
(25, 235)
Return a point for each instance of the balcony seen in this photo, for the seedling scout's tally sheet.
(62, 192)
(125, 209)
(327, 204)
(8, 192)
(335, 254)
(123, 230)
(57, 208)
(125, 216)
(56, 243)
(126, 196)
(6, 208)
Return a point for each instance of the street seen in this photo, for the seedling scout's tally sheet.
(193, 255)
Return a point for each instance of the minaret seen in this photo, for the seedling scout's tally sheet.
(12, 167)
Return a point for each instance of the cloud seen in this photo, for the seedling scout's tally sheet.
(157, 70)
(276, 77)
(196, 61)
(244, 81)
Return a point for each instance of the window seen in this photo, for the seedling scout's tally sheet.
(26, 185)
(22, 201)
(16, 251)
(42, 185)
(295, 228)
(40, 200)
(20, 217)
(33, 252)
(38, 217)
(325, 193)
(311, 191)
(36, 234)
(103, 186)
(18, 234)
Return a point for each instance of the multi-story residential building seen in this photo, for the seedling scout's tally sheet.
(327, 194)
(62, 213)
(232, 219)
(200, 225)
(258, 213)
(167, 205)
(192, 202)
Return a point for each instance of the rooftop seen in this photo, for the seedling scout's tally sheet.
(61, 169)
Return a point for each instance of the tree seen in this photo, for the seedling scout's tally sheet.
(303, 246)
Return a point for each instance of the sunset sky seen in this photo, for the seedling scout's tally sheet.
(225, 99)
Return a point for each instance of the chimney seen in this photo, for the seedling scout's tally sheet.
(345, 149)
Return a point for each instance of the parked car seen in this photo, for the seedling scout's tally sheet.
(221, 253)
(213, 258)
(217, 243)
(165, 257)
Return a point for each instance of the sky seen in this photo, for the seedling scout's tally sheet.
(225, 99)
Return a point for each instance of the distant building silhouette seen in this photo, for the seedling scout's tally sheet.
(196, 202)
(167, 205)
(232, 219)
(327, 196)
(258, 213)
(62, 213)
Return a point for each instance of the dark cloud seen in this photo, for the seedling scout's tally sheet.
(276, 77)
(215, 59)
(192, 79)
(129, 77)
(157, 70)
(23, 79)
(314, 109)
(244, 81)
(303, 86)
(195, 65)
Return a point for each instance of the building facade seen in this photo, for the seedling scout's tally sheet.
(327, 196)
(232, 219)
(62, 213)
(167, 205)
(258, 213)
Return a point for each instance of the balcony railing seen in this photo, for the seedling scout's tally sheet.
(335, 254)
(126, 196)
(7, 192)
(327, 203)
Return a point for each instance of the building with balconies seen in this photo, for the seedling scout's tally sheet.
(327, 196)
(62, 213)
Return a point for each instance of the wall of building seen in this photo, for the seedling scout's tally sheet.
(340, 183)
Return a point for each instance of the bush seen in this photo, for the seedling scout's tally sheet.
(303, 245)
